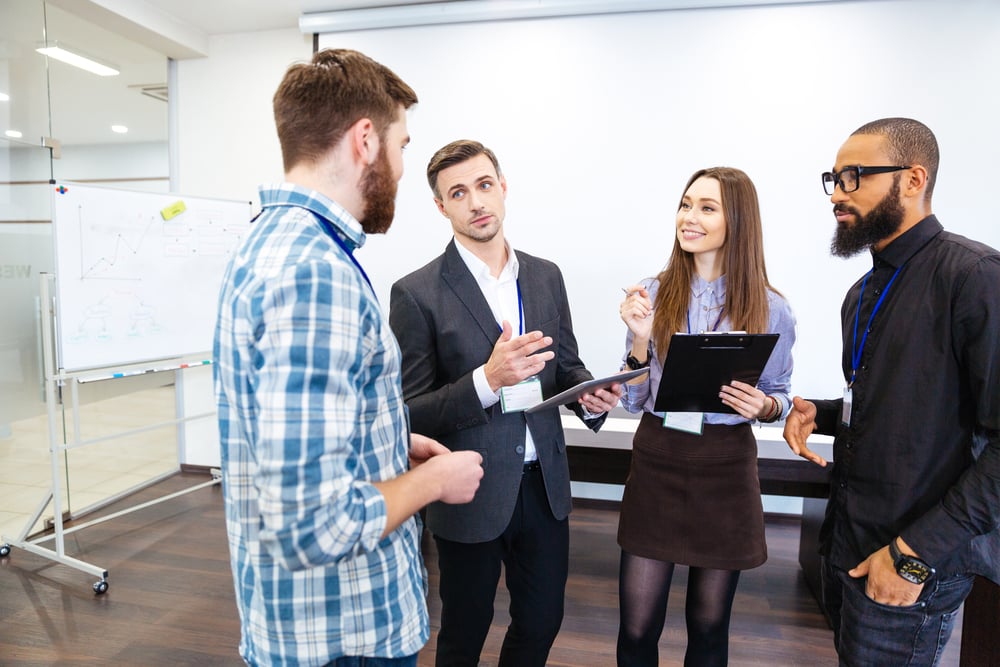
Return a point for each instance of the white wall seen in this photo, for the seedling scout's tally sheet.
(140, 166)
(226, 139)
(598, 122)
(227, 146)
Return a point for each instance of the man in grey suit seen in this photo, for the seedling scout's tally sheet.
(485, 331)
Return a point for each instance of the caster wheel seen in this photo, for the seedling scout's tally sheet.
(101, 587)
(4, 550)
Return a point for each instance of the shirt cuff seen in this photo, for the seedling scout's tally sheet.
(487, 397)
(630, 398)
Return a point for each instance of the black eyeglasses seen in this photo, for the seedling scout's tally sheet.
(849, 178)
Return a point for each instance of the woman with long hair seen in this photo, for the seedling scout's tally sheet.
(692, 496)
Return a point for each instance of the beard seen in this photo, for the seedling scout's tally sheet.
(378, 188)
(881, 222)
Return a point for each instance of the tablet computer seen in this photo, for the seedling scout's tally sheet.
(572, 394)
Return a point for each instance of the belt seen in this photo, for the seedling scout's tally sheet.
(532, 466)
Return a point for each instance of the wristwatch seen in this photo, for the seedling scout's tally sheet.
(908, 567)
(635, 364)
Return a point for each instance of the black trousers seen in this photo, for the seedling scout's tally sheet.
(534, 551)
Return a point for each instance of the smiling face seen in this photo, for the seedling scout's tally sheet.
(701, 223)
(472, 198)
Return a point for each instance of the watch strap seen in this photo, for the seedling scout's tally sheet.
(894, 552)
(634, 363)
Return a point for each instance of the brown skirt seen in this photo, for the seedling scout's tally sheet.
(694, 499)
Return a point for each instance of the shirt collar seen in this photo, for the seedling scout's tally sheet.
(290, 194)
(478, 267)
(699, 285)
(909, 242)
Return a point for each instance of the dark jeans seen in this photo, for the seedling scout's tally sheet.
(534, 552)
(360, 661)
(869, 633)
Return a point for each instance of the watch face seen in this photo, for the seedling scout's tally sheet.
(913, 570)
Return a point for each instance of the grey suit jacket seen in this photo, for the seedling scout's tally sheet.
(446, 330)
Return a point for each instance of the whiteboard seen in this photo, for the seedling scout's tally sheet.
(598, 121)
(138, 273)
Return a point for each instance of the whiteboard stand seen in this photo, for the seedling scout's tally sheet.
(56, 381)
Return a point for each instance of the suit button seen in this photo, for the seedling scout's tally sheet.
(519, 449)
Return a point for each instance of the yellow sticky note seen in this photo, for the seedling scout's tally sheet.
(173, 210)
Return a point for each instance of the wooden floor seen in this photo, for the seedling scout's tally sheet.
(171, 596)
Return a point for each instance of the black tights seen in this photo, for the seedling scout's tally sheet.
(643, 589)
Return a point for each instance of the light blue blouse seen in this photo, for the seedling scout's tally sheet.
(704, 310)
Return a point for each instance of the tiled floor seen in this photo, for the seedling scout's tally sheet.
(93, 472)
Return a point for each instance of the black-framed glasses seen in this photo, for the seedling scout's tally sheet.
(849, 178)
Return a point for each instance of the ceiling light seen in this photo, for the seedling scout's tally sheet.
(4, 97)
(13, 134)
(72, 57)
(120, 129)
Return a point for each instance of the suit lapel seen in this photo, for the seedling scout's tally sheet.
(466, 290)
(526, 278)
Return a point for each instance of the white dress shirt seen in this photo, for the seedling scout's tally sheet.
(501, 295)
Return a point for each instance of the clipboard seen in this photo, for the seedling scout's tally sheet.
(697, 365)
(575, 392)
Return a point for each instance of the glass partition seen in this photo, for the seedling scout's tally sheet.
(25, 254)
(55, 123)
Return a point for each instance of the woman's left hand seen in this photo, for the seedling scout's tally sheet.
(746, 399)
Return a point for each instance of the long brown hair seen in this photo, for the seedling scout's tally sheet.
(742, 263)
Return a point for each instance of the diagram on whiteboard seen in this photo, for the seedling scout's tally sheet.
(138, 273)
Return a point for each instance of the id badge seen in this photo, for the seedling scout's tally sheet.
(689, 422)
(845, 412)
(521, 396)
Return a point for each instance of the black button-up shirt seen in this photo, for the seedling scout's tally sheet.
(921, 456)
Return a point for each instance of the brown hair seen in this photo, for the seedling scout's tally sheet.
(455, 153)
(746, 304)
(908, 142)
(317, 102)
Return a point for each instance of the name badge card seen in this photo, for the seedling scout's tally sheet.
(689, 422)
(521, 396)
(845, 412)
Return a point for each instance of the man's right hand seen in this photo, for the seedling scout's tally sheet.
(451, 477)
(458, 473)
(799, 424)
(514, 358)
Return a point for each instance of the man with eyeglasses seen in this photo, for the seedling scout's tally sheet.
(914, 503)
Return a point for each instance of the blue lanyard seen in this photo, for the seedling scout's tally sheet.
(855, 349)
(343, 246)
(520, 310)
(717, 322)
